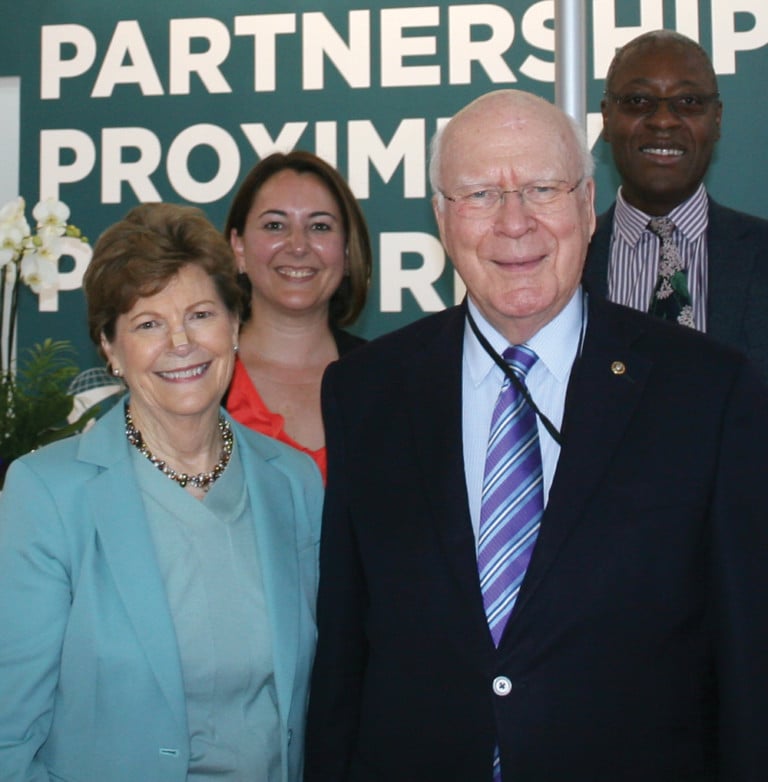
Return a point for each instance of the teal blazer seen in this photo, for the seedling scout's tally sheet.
(90, 678)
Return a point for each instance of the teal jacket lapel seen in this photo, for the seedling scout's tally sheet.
(271, 497)
(128, 548)
(113, 500)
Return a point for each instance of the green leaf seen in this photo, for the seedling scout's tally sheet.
(34, 401)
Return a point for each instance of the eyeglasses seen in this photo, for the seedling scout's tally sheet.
(537, 198)
(637, 104)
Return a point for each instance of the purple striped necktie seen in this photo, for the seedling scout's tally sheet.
(512, 499)
(512, 502)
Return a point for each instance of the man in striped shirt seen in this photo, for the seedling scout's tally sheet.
(661, 116)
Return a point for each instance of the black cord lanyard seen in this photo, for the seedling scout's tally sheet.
(513, 378)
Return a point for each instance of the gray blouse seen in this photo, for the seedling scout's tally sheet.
(208, 556)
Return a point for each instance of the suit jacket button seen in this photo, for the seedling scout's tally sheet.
(502, 686)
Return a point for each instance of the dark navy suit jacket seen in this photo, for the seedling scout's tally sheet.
(737, 310)
(637, 650)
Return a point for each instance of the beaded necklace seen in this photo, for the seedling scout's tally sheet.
(203, 480)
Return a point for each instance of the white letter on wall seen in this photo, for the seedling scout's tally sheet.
(206, 64)
(115, 170)
(264, 28)
(395, 279)
(687, 18)
(263, 144)
(52, 67)
(726, 41)
(52, 171)
(127, 40)
(490, 52)
(407, 145)
(320, 38)
(536, 33)
(203, 135)
(80, 253)
(326, 141)
(395, 47)
(606, 37)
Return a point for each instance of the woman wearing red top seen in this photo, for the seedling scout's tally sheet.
(303, 252)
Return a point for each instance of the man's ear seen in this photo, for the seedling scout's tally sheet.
(438, 207)
(718, 120)
(589, 186)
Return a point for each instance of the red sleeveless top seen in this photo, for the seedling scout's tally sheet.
(245, 405)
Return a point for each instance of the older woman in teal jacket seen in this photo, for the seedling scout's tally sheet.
(157, 614)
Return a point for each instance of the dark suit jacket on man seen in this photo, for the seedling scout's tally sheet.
(737, 310)
(638, 649)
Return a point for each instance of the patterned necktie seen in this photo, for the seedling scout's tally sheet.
(512, 500)
(671, 298)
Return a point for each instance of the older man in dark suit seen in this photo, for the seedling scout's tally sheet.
(661, 116)
(544, 551)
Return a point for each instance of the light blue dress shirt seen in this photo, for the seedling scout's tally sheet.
(557, 346)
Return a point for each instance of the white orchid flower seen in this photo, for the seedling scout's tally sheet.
(13, 210)
(13, 234)
(51, 216)
(40, 269)
(30, 257)
(13, 225)
(12, 238)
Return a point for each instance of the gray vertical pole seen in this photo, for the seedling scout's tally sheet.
(571, 59)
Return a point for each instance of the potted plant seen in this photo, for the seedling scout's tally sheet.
(35, 401)
(34, 392)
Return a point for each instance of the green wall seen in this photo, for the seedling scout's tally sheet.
(171, 100)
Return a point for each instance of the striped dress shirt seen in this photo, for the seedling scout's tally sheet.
(634, 259)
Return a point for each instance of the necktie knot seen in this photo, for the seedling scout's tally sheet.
(662, 227)
(520, 358)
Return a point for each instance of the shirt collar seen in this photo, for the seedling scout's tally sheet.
(556, 344)
(690, 217)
